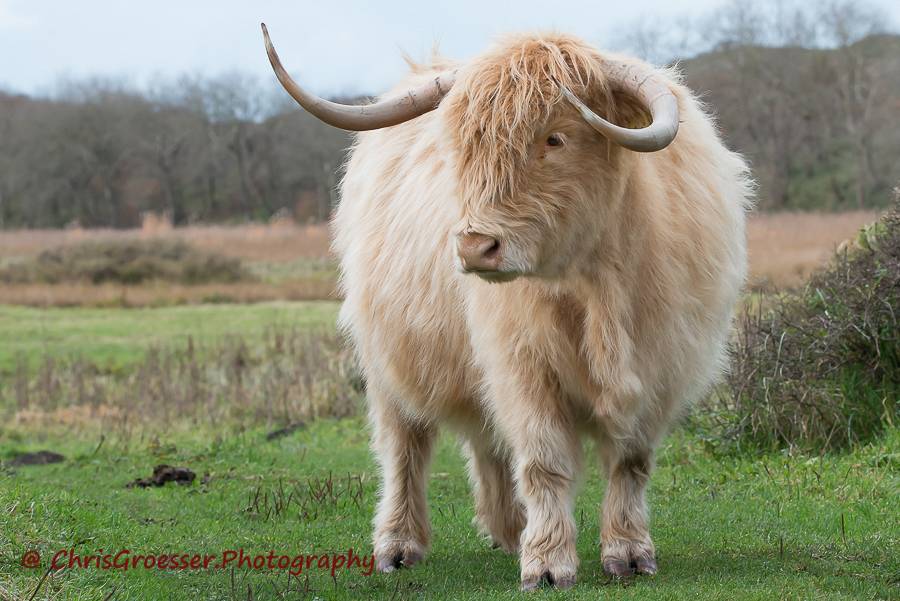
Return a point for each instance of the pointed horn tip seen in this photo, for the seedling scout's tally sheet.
(270, 47)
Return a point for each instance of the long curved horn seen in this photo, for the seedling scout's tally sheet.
(392, 111)
(649, 89)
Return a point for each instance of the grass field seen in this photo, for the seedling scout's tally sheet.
(115, 338)
(727, 527)
(120, 379)
(768, 527)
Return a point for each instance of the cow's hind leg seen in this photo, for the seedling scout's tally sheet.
(625, 536)
(498, 513)
(403, 448)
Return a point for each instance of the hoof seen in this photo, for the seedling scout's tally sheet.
(618, 568)
(646, 565)
(547, 579)
(565, 582)
(398, 555)
(625, 558)
(386, 565)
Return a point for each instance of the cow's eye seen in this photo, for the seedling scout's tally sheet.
(554, 140)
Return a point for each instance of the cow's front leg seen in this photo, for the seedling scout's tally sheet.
(547, 464)
(546, 458)
(624, 533)
(403, 449)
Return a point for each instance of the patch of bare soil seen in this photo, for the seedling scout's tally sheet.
(163, 474)
(37, 458)
(286, 431)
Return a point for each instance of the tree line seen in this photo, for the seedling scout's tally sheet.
(810, 93)
(197, 150)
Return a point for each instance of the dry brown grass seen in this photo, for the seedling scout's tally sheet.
(276, 243)
(784, 249)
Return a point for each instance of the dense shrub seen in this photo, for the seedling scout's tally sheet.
(126, 262)
(819, 368)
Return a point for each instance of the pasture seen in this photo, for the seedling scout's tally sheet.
(292, 262)
(185, 222)
(114, 339)
(260, 402)
(768, 527)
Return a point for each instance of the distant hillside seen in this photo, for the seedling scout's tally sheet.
(821, 128)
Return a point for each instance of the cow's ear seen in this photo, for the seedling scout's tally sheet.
(628, 112)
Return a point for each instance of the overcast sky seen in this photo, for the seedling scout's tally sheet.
(338, 46)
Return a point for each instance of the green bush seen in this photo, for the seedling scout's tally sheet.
(819, 368)
(126, 262)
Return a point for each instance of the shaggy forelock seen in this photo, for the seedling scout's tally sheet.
(502, 98)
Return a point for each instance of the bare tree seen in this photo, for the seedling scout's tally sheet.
(859, 79)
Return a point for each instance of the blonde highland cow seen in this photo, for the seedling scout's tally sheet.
(523, 271)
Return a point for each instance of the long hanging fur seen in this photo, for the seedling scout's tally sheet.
(633, 265)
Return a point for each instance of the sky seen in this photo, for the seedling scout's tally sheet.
(332, 47)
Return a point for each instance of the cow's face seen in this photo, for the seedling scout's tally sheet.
(547, 219)
(530, 171)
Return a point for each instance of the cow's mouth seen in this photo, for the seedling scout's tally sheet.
(495, 277)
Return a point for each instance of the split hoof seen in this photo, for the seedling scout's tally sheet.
(548, 580)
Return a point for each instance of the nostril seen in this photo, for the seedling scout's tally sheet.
(479, 252)
(492, 250)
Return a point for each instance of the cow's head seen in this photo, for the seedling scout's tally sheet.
(532, 173)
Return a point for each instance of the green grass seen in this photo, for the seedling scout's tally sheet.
(764, 527)
(116, 338)
(299, 269)
(727, 526)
